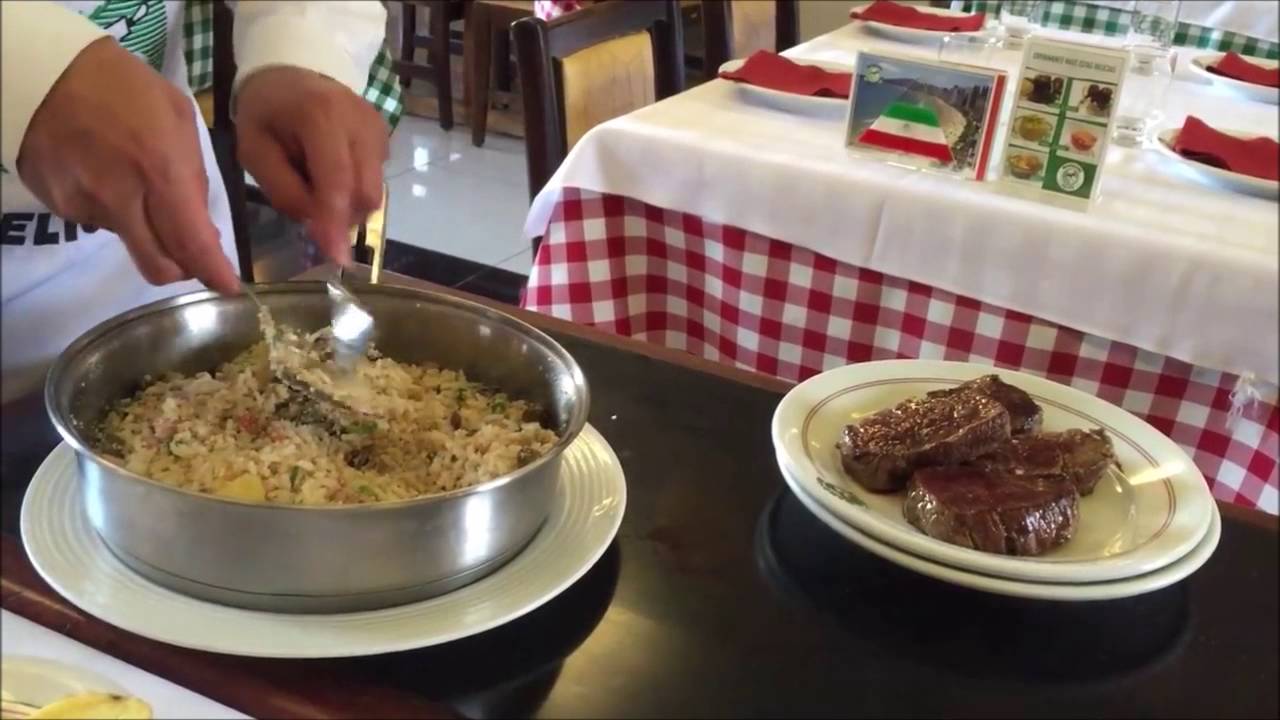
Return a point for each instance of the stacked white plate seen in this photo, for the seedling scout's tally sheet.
(1167, 138)
(1144, 527)
(832, 107)
(1258, 93)
(914, 35)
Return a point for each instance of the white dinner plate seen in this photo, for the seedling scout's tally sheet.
(1225, 179)
(69, 555)
(913, 35)
(43, 665)
(791, 102)
(1259, 93)
(1133, 523)
(36, 681)
(1062, 592)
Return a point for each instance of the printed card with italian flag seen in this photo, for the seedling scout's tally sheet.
(925, 114)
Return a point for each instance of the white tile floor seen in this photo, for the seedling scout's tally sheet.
(454, 198)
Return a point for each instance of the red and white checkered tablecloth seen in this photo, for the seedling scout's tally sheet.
(733, 296)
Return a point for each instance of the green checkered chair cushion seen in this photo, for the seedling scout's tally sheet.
(1101, 20)
(382, 88)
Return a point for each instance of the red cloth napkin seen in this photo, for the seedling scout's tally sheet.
(1259, 157)
(891, 13)
(771, 70)
(1237, 68)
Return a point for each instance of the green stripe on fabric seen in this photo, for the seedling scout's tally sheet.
(142, 37)
(1089, 18)
(907, 112)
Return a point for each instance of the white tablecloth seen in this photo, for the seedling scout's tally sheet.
(23, 638)
(1160, 262)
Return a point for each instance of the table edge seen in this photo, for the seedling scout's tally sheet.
(1230, 510)
(256, 687)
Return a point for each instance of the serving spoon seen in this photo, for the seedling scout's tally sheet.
(292, 358)
(351, 328)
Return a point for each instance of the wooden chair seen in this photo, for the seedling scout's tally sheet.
(487, 36)
(589, 66)
(438, 70)
(736, 28)
(222, 134)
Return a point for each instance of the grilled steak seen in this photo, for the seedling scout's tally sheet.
(993, 510)
(1083, 456)
(1086, 455)
(1025, 416)
(882, 451)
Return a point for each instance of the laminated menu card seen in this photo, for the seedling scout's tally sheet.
(924, 114)
(1062, 117)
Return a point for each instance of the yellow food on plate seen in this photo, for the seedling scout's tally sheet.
(96, 706)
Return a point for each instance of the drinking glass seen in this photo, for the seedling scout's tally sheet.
(1149, 40)
(1020, 18)
(1152, 23)
(969, 48)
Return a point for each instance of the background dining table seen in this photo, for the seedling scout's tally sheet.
(736, 226)
(722, 596)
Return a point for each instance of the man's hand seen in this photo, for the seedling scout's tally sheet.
(316, 149)
(115, 145)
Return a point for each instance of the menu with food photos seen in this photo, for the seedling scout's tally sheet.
(1063, 115)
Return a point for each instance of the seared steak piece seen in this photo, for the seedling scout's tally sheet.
(1083, 456)
(992, 510)
(1086, 455)
(882, 451)
(1026, 455)
(1025, 416)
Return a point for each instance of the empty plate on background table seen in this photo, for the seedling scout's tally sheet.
(1133, 523)
(69, 555)
(1258, 93)
(833, 107)
(913, 35)
(1225, 179)
(1061, 592)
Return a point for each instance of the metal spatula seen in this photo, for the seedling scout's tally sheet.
(352, 322)
(352, 326)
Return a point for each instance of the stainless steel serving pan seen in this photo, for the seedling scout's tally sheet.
(312, 559)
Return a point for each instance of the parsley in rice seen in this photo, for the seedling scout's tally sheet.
(241, 433)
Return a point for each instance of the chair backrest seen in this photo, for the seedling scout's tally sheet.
(589, 66)
(223, 134)
(736, 28)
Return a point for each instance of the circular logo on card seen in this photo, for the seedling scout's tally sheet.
(874, 73)
(1070, 177)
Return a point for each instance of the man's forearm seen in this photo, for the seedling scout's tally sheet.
(38, 40)
(335, 38)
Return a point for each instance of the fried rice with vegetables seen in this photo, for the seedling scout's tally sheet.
(242, 433)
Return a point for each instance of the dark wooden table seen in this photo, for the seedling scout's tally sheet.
(723, 597)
